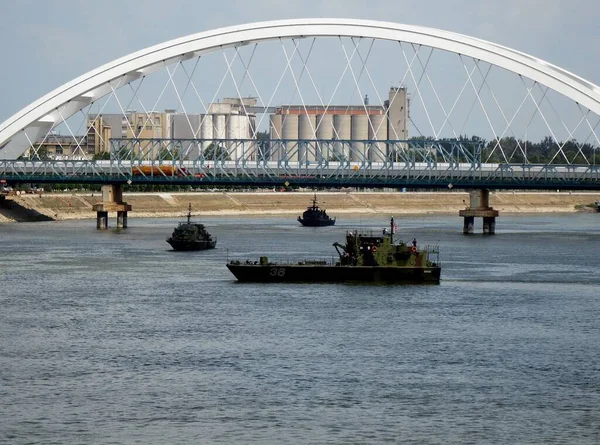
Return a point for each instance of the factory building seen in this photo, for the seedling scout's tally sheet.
(103, 127)
(299, 125)
(225, 123)
(230, 125)
(306, 133)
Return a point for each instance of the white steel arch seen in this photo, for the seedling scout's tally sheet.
(35, 120)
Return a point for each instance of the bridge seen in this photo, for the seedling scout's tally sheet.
(418, 164)
(287, 102)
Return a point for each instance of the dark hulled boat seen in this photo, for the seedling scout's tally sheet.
(191, 236)
(364, 258)
(313, 216)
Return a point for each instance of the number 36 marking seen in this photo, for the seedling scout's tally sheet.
(277, 271)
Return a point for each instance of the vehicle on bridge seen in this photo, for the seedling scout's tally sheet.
(159, 170)
(365, 258)
(191, 236)
(313, 216)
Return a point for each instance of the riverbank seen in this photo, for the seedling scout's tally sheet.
(64, 206)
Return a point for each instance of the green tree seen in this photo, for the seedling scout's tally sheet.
(40, 154)
(103, 156)
(264, 145)
(169, 155)
(216, 152)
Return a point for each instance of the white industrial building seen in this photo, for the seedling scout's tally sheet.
(225, 123)
(298, 125)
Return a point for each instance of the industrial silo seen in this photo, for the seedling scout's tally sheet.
(306, 132)
(359, 133)
(289, 131)
(341, 131)
(377, 132)
(237, 132)
(206, 130)
(248, 137)
(324, 135)
(275, 130)
(219, 127)
(233, 133)
(398, 113)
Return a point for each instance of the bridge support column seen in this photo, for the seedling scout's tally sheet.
(121, 220)
(101, 220)
(469, 221)
(479, 207)
(489, 225)
(112, 201)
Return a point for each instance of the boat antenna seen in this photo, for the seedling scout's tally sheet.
(189, 215)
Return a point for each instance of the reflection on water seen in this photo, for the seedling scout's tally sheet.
(111, 337)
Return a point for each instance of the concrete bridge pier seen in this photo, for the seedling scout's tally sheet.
(112, 201)
(101, 220)
(489, 225)
(479, 207)
(122, 220)
(468, 224)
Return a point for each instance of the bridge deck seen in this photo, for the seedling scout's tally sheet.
(325, 174)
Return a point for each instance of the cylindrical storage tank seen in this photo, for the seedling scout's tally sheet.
(325, 127)
(240, 132)
(275, 126)
(306, 132)
(233, 133)
(245, 147)
(324, 149)
(219, 131)
(289, 131)
(219, 126)
(360, 132)
(341, 131)
(275, 131)
(206, 130)
(377, 132)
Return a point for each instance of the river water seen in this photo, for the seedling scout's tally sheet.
(110, 337)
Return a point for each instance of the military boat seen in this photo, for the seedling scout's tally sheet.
(313, 216)
(191, 236)
(364, 258)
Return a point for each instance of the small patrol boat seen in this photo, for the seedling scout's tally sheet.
(191, 236)
(364, 258)
(313, 216)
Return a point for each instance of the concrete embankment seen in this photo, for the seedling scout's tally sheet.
(79, 206)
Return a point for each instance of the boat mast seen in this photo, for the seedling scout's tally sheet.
(189, 215)
(392, 230)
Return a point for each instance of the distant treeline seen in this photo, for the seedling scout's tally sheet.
(518, 151)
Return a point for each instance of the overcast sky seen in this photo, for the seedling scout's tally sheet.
(48, 43)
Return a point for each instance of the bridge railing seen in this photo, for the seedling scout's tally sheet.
(312, 162)
(271, 172)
